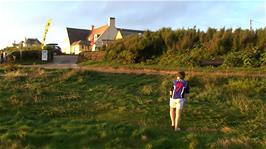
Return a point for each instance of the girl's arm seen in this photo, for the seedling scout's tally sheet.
(170, 93)
(187, 88)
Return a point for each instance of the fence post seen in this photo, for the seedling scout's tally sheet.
(20, 54)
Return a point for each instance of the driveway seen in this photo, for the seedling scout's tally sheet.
(65, 59)
(62, 61)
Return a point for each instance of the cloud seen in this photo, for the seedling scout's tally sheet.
(145, 14)
(28, 18)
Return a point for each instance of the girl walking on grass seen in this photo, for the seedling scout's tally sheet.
(179, 89)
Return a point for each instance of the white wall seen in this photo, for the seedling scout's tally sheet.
(93, 47)
(74, 49)
(66, 48)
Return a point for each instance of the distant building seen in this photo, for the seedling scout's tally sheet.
(91, 40)
(28, 43)
(32, 42)
(18, 45)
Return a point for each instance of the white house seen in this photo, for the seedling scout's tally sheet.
(82, 39)
(76, 41)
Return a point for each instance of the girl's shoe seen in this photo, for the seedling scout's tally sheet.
(173, 127)
(178, 129)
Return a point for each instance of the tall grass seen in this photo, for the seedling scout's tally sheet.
(83, 109)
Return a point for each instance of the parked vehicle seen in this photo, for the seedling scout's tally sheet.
(56, 49)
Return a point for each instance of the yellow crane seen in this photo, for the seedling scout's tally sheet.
(48, 24)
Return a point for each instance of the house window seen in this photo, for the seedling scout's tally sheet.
(96, 36)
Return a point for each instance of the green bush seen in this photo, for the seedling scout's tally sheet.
(187, 58)
(135, 49)
(253, 57)
(28, 54)
(263, 59)
(187, 47)
(234, 59)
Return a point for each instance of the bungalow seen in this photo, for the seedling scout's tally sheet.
(91, 40)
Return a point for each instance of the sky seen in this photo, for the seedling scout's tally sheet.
(26, 18)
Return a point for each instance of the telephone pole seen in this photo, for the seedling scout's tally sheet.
(250, 24)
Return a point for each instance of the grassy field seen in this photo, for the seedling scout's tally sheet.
(249, 70)
(82, 109)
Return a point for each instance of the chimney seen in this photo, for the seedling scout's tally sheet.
(111, 21)
(92, 27)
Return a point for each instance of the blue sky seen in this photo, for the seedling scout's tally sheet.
(21, 19)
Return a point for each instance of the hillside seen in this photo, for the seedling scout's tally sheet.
(85, 109)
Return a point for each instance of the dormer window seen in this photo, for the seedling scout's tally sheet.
(96, 36)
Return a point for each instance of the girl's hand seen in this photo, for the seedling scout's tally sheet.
(170, 93)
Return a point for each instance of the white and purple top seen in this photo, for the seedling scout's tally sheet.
(180, 87)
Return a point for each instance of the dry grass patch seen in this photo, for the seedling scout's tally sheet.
(234, 142)
(68, 74)
(227, 129)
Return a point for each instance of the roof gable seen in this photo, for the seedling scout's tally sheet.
(75, 34)
(127, 32)
(99, 30)
(32, 41)
(81, 42)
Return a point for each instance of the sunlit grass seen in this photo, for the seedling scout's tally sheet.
(83, 109)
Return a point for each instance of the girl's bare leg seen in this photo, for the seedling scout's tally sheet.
(177, 118)
(172, 115)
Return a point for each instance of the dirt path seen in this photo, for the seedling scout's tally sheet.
(218, 73)
(191, 72)
(59, 62)
(69, 62)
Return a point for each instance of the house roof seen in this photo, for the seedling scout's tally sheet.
(99, 30)
(81, 42)
(32, 41)
(75, 34)
(127, 32)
